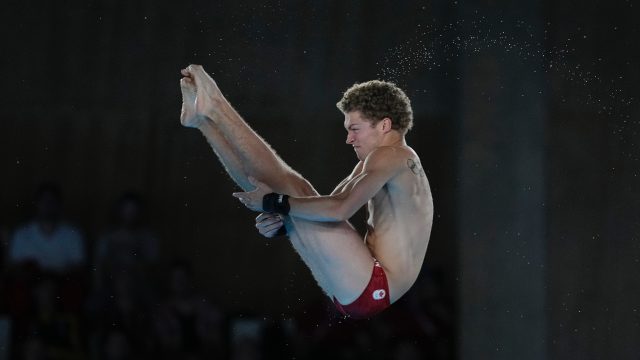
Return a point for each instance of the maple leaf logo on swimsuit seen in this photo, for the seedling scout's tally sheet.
(379, 294)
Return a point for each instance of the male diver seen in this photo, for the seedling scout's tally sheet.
(362, 276)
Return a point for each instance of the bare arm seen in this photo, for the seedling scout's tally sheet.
(268, 224)
(379, 167)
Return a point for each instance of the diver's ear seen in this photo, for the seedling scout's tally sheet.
(386, 124)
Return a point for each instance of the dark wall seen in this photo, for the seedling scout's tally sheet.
(90, 99)
(593, 187)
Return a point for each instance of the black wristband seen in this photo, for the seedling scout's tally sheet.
(276, 203)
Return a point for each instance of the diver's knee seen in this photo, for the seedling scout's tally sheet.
(296, 185)
(290, 183)
(304, 187)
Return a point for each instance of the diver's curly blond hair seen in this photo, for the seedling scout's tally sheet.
(376, 100)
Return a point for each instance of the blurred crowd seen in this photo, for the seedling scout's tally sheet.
(118, 297)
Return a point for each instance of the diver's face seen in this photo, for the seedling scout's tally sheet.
(362, 134)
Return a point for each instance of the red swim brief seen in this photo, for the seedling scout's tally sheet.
(373, 299)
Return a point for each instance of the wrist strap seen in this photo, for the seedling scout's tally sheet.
(276, 203)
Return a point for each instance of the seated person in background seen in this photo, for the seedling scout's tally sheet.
(185, 323)
(125, 281)
(46, 241)
(129, 247)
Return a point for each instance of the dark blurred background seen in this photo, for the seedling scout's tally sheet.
(526, 121)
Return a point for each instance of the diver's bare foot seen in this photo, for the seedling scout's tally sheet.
(206, 91)
(188, 115)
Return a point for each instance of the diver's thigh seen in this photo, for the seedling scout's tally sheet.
(337, 253)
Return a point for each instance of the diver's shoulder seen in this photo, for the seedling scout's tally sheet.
(386, 155)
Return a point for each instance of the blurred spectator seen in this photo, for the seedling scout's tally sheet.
(44, 282)
(129, 248)
(49, 331)
(247, 339)
(186, 325)
(121, 310)
(46, 241)
(125, 267)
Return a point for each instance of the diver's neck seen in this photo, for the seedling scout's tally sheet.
(393, 138)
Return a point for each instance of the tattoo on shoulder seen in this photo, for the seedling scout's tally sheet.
(415, 167)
